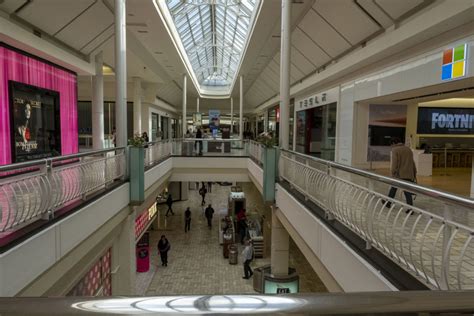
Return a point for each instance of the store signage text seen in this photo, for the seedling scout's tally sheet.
(445, 120)
(318, 99)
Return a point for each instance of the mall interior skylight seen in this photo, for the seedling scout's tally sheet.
(213, 34)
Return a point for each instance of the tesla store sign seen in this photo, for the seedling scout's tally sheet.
(318, 99)
(445, 121)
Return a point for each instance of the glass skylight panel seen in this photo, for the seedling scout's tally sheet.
(213, 34)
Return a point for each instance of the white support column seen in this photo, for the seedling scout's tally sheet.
(184, 120)
(120, 73)
(231, 116)
(280, 247)
(98, 104)
(137, 105)
(285, 73)
(123, 259)
(241, 112)
(197, 107)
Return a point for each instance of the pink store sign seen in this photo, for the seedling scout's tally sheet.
(33, 94)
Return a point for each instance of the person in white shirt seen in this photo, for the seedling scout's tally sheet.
(247, 257)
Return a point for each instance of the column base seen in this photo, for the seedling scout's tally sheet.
(267, 283)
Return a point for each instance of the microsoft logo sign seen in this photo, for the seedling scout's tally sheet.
(454, 62)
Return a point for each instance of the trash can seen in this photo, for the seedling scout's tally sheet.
(233, 254)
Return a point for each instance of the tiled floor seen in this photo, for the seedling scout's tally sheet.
(196, 264)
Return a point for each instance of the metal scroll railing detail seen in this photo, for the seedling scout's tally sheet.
(157, 151)
(433, 240)
(52, 184)
(255, 150)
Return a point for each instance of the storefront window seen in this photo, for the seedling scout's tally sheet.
(85, 122)
(316, 131)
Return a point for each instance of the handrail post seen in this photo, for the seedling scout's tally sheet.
(47, 169)
(447, 232)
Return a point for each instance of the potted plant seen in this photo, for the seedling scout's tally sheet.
(269, 165)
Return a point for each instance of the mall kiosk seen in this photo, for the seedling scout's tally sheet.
(236, 201)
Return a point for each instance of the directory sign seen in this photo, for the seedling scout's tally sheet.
(445, 120)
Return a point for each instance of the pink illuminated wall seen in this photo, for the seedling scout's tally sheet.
(18, 67)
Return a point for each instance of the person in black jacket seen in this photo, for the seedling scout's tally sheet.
(163, 248)
(199, 142)
(169, 202)
(208, 213)
(202, 192)
(187, 220)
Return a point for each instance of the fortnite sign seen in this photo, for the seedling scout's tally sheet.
(445, 121)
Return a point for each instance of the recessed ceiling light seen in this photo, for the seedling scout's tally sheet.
(142, 31)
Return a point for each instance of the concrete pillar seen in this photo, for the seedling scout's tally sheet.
(280, 247)
(184, 121)
(197, 107)
(285, 73)
(231, 115)
(120, 73)
(241, 112)
(123, 259)
(98, 104)
(137, 105)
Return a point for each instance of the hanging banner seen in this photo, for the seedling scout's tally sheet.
(214, 119)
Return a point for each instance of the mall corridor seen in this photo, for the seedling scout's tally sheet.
(196, 263)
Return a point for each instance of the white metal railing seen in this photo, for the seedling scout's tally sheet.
(51, 184)
(255, 150)
(433, 239)
(157, 151)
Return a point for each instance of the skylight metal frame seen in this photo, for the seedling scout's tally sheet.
(212, 36)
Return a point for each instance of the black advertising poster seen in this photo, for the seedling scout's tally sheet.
(35, 122)
(445, 121)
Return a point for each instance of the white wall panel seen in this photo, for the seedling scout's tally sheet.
(308, 48)
(345, 110)
(374, 10)
(40, 13)
(87, 26)
(323, 34)
(347, 18)
(399, 7)
(158, 172)
(300, 61)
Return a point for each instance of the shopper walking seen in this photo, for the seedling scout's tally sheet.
(402, 167)
(202, 192)
(163, 248)
(169, 202)
(187, 220)
(247, 257)
(209, 212)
